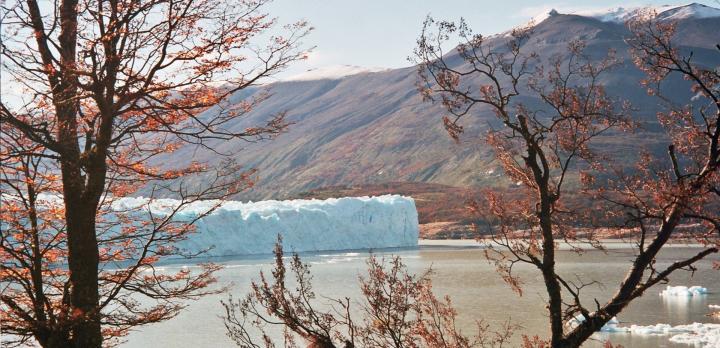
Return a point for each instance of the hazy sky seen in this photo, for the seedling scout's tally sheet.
(382, 33)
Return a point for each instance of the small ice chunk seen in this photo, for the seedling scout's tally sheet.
(698, 334)
(684, 291)
(610, 326)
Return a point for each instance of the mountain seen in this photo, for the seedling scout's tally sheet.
(331, 73)
(621, 15)
(357, 127)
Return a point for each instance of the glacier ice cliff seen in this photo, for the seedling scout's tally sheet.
(237, 228)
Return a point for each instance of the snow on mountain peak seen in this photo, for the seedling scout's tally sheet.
(666, 12)
(332, 72)
(693, 10)
(623, 14)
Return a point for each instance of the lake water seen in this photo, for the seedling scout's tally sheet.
(474, 286)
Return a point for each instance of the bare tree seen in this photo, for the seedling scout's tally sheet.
(542, 144)
(107, 86)
(397, 310)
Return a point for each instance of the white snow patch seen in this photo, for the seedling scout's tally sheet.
(689, 11)
(684, 291)
(332, 72)
(623, 14)
(713, 306)
(666, 12)
(237, 228)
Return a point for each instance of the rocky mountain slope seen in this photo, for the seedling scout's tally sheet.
(372, 127)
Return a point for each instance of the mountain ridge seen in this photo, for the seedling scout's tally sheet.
(373, 127)
(621, 14)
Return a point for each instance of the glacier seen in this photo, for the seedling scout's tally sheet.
(252, 228)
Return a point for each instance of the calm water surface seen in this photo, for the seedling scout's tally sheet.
(474, 286)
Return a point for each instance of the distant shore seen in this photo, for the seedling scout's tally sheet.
(607, 243)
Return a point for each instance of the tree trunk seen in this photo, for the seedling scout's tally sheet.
(83, 256)
(57, 340)
(627, 291)
(80, 203)
(83, 259)
(548, 271)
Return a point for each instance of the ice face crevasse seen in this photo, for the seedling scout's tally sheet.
(237, 228)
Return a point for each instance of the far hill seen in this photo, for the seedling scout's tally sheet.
(366, 128)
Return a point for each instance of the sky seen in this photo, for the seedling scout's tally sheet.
(382, 33)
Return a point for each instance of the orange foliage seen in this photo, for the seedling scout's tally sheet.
(111, 87)
(540, 145)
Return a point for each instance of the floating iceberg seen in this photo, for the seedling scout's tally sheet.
(610, 326)
(237, 228)
(697, 334)
(684, 291)
(703, 335)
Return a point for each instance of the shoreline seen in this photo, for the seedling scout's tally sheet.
(607, 243)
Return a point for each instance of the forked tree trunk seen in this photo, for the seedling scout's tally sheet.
(80, 197)
(83, 255)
